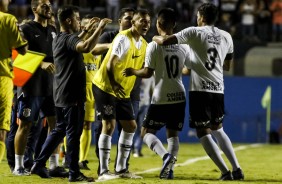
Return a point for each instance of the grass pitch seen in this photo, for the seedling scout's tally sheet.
(261, 163)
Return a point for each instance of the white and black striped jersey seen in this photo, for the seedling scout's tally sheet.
(209, 46)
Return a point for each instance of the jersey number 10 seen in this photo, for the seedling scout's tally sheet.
(172, 66)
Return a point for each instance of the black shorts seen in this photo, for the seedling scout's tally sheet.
(169, 115)
(109, 107)
(205, 109)
(32, 107)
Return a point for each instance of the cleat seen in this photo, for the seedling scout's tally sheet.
(126, 174)
(83, 165)
(40, 171)
(238, 174)
(170, 175)
(168, 162)
(58, 172)
(21, 172)
(81, 177)
(107, 175)
(226, 176)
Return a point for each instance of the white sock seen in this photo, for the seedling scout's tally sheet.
(173, 146)
(226, 146)
(19, 161)
(104, 151)
(213, 152)
(54, 161)
(155, 144)
(124, 147)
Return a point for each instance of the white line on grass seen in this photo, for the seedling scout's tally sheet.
(193, 160)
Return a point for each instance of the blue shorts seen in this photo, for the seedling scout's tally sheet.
(32, 107)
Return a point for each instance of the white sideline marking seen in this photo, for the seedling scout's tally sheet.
(193, 160)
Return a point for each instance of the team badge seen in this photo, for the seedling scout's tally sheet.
(180, 125)
(26, 112)
(108, 109)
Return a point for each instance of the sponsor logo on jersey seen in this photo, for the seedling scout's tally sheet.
(213, 86)
(133, 57)
(178, 96)
(214, 39)
(91, 66)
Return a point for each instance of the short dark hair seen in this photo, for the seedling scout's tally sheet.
(34, 3)
(124, 10)
(209, 12)
(167, 18)
(141, 12)
(66, 12)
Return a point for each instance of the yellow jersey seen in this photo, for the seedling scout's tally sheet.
(133, 58)
(92, 64)
(10, 38)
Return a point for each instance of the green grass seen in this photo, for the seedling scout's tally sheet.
(261, 164)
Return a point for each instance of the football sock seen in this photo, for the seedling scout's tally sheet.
(85, 141)
(104, 152)
(54, 161)
(2, 150)
(155, 144)
(213, 152)
(226, 146)
(124, 148)
(173, 146)
(19, 161)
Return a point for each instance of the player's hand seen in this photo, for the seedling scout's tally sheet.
(104, 22)
(49, 67)
(92, 24)
(128, 72)
(118, 90)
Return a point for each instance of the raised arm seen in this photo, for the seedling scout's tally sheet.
(87, 45)
(165, 40)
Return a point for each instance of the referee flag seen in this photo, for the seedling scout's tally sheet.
(24, 66)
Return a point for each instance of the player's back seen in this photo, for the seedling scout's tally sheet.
(210, 46)
(168, 62)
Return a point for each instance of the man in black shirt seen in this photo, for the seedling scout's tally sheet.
(69, 90)
(36, 95)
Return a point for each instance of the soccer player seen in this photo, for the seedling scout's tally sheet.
(125, 17)
(212, 52)
(168, 102)
(69, 90)
(112, 92)
(36, 95)
(10, 39)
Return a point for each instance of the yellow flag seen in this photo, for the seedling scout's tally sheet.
(24, 66)
(266, 99)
